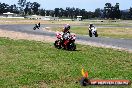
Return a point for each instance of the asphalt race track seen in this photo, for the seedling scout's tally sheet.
(28, 28)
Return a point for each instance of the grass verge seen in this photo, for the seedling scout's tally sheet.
(35, 64)
(103, 32)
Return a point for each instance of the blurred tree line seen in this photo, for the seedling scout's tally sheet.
(25, 8)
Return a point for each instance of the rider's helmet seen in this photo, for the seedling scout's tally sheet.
(39, 24)
(91, 25)
(67, 27)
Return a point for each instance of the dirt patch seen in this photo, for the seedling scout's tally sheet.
(31, 21)
(19, 35)
(43, 85)
(103, 46)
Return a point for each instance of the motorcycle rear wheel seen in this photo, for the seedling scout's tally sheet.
(72, 47)
(96, 34)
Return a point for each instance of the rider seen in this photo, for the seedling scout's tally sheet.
(37, 25)
(66, 31)
(91, 27)
(66, 28)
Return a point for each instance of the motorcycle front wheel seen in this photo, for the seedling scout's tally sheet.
(90, 33)
(34, 28)
(57, 44)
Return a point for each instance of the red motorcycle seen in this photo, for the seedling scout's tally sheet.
(65, 41)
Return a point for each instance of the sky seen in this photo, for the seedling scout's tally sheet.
(89, 5)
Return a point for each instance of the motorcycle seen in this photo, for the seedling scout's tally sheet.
(37, 26)
(65, 41)
(93, 32)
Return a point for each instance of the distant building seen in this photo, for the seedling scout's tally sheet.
(42, 17)
(47, 18)
(11, 15)
(50, 18)
(8, 14)
(67, 19)
(79, 18)
(34, 17)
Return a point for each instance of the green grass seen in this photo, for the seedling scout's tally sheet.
(113, 23)
(77, 30)
(36, 64)
(103, 32)
(116, 32)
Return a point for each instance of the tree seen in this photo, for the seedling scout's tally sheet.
(97, 12)
(112, 11)
(42, 12)
(61, 11)
(4, 8)
(15, 9)
(21, 3)
(27, 10)
(116, 12)
(68, 12)
(83, 13)
(107, 10)
(35, 6)
(47, 12)
(130, 13)
(56, 12)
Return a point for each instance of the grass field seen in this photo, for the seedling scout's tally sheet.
(31, 21)
(103, 32)
(25, 64)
